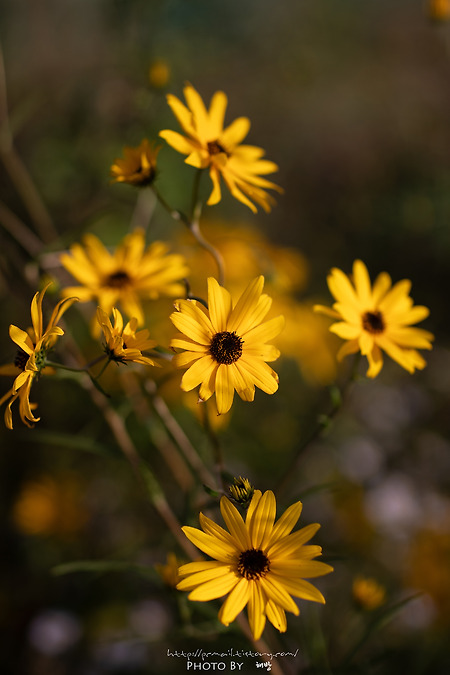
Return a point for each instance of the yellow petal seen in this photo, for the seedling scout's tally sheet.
(286, 523)
(216, 588)
(262, 520)
(224, 389)
(210, 545)
(256, 609)
(298, 588)
(178, 142)
(290, 544)
(235, 602)
(235, 132)
(276, 591)
(200, 371)
(219, 303)
(245, 306)
(235, 524)
(276, 616)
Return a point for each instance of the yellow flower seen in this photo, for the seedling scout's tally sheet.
(258, 562)
(169, 571)
(138, 166)
(48, 506)
(368, 593)
(124, 344)
(159, 74)
(128, 275)
(31, 356)
(439, 10)
(225, 345)
(209, 145)
(378, 318)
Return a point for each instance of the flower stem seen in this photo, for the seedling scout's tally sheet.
(215, 444)
(337, 399)
(194, 227)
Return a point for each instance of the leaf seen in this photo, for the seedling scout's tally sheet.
(101, 567)
(74, 441)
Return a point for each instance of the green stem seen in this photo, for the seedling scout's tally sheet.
(194, 227)
(337, 398)
(216, 447)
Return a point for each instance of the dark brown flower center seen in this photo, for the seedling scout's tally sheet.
(21, 359)
(118, 279)
(373, 322)
(226, 347)
(253, 564)
(214, 148)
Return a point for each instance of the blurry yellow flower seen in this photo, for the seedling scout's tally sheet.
(225, 346)
(123, 344)
(428, 565)
(159, 74)
(372, 319)
(169, 571)
(368, 593)
(439, 10)
(31, 356)
(209, 145)
(127, 276)
(138, 165)
(246, 252)
(47, 506)
(307, 339)
(258, 563)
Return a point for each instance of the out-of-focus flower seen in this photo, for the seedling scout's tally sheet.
(439, 10)
(368, 593)
(30, 359)
(159, 74)
(169, 571)
(225, 346)
(47, 506)
(242, 491)
(307, 340)
(258, 562)
(123, 344)
(209, 145)
(127, 276)
(377, 318)
(138, 165)
(427, 566)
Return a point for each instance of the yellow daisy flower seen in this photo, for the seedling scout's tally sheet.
(209, 145)
(131, 273)
(138, 165)
(377, 318)
(258, 562)
(31, 356)
(124, 344)
(225, 345)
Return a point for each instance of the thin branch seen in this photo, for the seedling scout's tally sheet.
(17, 170)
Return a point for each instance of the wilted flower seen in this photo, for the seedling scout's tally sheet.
(138, 165)
(33, 347)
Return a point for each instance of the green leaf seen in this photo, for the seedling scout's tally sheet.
(73, 441)
(101, 567)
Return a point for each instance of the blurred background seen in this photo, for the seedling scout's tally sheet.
(351, 99)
